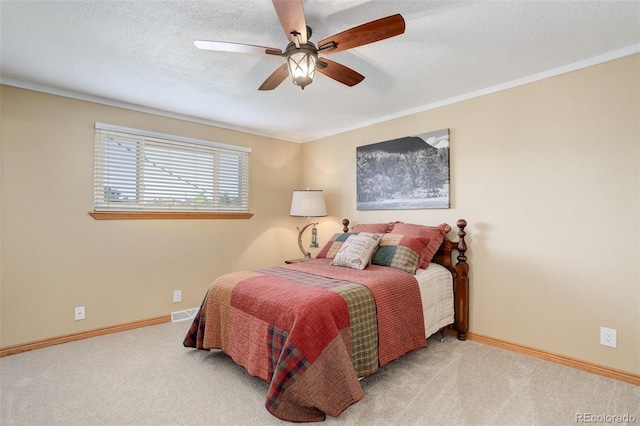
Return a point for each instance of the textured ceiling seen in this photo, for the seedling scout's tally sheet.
(140, 54)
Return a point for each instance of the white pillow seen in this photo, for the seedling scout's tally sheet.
(357, 250)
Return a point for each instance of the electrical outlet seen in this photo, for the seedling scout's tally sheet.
(79, 313)
(609, 337)
(177, 296)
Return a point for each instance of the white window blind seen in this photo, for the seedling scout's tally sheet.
(137, 170)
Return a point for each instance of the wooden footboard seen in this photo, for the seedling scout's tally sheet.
(460, 271)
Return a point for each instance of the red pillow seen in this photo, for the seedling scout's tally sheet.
(436, 235)
(374, 228)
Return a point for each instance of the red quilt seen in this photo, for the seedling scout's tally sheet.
(311, 329)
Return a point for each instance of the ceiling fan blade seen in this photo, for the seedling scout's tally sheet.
(223, 46)
(291, 16)
(366, 33)
(275, 79)
(339, 72)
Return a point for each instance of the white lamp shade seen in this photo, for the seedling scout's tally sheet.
(308, 203)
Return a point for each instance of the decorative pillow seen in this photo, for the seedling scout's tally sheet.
(435, 233)
(356, 251)
(400, 251)
(333, 245)
(376, 228)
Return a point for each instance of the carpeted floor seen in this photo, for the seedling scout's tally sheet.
(146, 377)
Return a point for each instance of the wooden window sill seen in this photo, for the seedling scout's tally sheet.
(167, 215)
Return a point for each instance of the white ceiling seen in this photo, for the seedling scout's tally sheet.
(140, 54)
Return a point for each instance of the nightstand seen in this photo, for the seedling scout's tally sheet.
(288, 262)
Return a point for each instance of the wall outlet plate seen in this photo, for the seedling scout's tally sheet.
(177, 296)
(609, 337)
(79, 313)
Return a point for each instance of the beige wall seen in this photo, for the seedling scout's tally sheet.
(56, 257)
(548, 177)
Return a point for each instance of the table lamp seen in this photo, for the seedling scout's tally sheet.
(308, 203)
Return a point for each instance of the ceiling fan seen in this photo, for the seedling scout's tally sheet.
(302, 56)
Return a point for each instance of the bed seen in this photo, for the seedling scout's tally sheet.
(314, 329)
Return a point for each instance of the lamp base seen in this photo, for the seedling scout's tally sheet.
(306, 254)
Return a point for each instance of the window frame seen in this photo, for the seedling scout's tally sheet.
(142, 207)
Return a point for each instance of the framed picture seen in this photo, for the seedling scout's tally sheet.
(407, 173)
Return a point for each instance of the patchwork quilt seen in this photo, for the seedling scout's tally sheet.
(311, 330)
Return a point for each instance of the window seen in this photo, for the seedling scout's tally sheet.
(141, 171)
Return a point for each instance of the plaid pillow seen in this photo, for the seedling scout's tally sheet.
(435, 233)
(400, 251)
(333, 245)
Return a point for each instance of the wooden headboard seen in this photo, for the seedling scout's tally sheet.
(459, 269)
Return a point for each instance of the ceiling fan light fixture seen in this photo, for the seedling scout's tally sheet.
(301, 63)
(301, 55)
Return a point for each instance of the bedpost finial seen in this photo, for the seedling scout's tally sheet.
(345, 225)
(462, 245)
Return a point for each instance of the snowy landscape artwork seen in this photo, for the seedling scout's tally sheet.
(406, 173)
